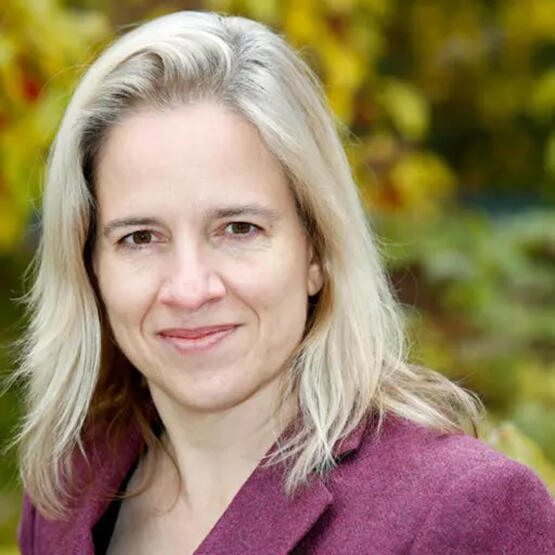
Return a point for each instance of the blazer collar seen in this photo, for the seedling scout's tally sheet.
(259, 519)
(262, 519)
(74, 534)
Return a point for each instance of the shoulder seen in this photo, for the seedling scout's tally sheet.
(96, 477)
(25, 530)
(447, 493)
(422, 453)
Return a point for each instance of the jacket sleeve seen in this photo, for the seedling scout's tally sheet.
(26, 529)
(498, 507)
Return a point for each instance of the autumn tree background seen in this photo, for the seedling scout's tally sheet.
(447, 111)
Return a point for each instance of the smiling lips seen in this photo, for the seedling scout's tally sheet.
(196, 339)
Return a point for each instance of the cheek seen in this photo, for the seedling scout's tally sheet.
(276, 291)
(126, 292)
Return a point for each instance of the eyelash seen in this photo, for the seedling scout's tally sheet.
(254, 230)
(126, 240)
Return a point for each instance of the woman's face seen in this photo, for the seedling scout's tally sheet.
(203, 266)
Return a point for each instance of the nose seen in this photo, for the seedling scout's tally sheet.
(190, 280)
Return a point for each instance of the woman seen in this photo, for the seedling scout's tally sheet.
(215, 360)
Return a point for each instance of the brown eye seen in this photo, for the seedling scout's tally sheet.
(138, 239)
(240, 228)
(142, 237)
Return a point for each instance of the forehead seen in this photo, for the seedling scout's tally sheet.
(190, 154)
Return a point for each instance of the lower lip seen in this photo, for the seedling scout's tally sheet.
(197, 344)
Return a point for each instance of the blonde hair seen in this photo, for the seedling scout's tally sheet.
(351, 362)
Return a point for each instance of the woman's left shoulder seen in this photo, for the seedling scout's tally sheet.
(496, 503)
(449, 493)
(424, 453)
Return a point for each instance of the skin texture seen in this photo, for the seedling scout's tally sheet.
(216, 240)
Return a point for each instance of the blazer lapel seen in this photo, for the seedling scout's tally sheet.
(74, 535)
(262, 519)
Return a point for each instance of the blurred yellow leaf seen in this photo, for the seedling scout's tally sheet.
(537, 381)
(341, 101)
(267, 11)
(543, 17)
(406, 106)
(541, 103)
(379, 7)
(344, 69)
(422, 181)
(219, 5)
(39, 42)
(529, 20)
(11, 225)
(342, 63)
(499, 99)
(302, 22)
(381, 148)
(341, 5)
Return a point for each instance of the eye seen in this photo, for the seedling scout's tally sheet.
(140, 237)
(241, 229)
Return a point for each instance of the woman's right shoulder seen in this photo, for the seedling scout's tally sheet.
(97, 475)
(26, 529)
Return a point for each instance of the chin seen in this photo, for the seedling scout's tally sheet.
(207, 397)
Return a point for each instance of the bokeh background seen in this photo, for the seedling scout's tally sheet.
(447, 111)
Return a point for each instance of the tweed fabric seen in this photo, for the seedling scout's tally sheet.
(408, 490)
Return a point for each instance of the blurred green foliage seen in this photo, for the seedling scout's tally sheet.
(447, 110)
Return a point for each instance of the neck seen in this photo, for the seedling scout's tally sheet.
(215, 452)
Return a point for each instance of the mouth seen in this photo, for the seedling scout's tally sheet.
(189, 340)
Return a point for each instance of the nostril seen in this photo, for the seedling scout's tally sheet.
(191, 290)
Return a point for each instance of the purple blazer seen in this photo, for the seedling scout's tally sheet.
(410, 491)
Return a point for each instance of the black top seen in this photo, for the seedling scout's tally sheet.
(102, 531)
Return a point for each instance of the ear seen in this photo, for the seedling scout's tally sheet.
(315, 275)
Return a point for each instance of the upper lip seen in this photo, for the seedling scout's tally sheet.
(189, 333)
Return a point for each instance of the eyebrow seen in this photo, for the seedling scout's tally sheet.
(245, 210)
(213, 213)
(119, 223)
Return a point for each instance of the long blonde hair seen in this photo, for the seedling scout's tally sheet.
(352, 360)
